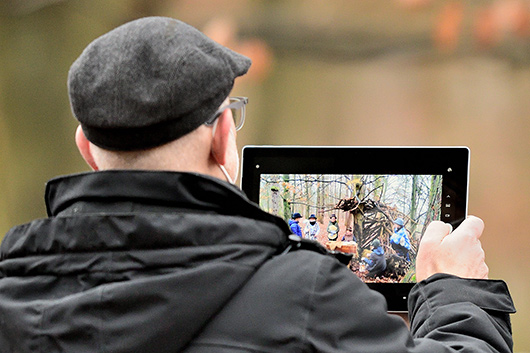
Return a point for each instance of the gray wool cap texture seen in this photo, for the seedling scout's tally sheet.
(149, 82)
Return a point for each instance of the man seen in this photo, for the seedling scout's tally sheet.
(156, 252)
(312, 229)
(399, 240)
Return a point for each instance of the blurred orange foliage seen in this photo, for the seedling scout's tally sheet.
(224, 31)
(490, 23)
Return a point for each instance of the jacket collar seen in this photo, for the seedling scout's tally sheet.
(116, 190)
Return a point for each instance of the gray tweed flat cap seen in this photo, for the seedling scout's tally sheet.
(150, 81)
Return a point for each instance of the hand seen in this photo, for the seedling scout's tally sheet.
(457, 252)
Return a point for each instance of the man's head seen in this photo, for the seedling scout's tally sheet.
(296, 216)
(150, 83)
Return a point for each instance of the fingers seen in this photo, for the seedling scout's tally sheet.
(457, 252)
(427, 258)
(437, 231)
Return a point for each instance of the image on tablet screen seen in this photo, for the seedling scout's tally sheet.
(379, 219)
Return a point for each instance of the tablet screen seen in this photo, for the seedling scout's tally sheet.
(377, 218)
(371, 202)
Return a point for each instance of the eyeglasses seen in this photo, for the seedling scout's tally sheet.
(237, 106)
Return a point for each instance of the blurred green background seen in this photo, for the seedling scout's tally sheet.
(350, 72)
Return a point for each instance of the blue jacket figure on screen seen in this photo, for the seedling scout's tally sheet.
(399, 240)
(294, 224)
(377, 262)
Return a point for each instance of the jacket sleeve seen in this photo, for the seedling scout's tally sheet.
(468, 313)
(449, 314)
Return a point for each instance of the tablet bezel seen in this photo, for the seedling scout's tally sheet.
(450, 162)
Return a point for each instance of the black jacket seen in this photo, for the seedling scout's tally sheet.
(168, 262)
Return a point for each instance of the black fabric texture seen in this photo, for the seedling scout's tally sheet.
(168, 262)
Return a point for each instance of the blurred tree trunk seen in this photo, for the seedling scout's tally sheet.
(414, 199)
(434, 198)
(358, 219)
(286, 197)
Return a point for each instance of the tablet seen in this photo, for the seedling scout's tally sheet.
(371, 202)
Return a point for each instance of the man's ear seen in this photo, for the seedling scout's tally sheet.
(83, 145)
(221, 137)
